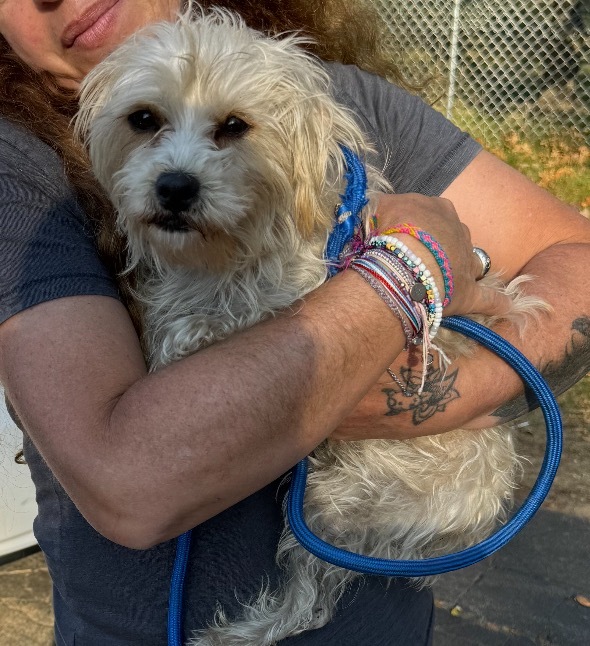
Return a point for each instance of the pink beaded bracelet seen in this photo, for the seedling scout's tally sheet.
(435, 249)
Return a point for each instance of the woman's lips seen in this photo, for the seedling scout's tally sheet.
(92, 26)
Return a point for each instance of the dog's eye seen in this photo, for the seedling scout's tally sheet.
(232, 127)
(144, 120)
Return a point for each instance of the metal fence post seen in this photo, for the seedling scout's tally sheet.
(454, 58)
(497, 67)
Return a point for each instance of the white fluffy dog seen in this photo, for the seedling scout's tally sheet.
(219, 147)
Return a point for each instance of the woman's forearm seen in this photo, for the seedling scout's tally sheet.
(560, 346)
(247, 409)
(482, 390)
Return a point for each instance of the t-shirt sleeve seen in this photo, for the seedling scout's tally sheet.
(418, 149)
(47, 250)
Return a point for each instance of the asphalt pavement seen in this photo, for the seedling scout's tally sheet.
(531, 592)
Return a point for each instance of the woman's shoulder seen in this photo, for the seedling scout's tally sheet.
(385, 106)
(18, 142)
(418, 149)
(33, 179)
(46, 241)
(352, 82)
(26, 158)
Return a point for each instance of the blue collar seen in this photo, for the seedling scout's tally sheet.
(347, 214)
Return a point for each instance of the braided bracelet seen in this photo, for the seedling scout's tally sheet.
(396, 273)
(409, 331)
(399, 270)
(435, 249)
(394, 280)
(395, 291)
(431, 296)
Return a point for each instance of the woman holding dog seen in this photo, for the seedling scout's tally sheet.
(123, 460)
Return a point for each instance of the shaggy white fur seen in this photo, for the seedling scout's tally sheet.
(219, 147)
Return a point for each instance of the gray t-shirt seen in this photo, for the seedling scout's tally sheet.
(46, 248)
(105, 594)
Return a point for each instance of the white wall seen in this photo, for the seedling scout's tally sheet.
(17, 494)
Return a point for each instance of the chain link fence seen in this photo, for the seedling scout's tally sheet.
(499, 66)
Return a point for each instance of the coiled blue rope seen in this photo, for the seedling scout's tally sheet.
(183, 546)
(348, 218)
(464, 558)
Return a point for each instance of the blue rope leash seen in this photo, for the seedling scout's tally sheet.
(348, 213)
(347, 220)
(464, 558)
(411, 568)
(352, 202)
(183, 545)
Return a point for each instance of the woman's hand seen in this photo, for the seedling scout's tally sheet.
(438, 217)
(393, 409)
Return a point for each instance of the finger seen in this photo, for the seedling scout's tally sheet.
(466, 232)
(483, 260)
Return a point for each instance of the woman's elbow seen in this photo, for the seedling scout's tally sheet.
(127, 525)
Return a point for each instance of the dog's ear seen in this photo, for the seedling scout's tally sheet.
(318, 127)
(309, 158)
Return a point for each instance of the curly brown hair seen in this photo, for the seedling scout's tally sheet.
(341, 30)
(348, 31)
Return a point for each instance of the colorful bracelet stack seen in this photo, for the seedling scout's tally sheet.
(389, 279)
(405, 284)
(403, 281)
(435, 249)
(429, 295)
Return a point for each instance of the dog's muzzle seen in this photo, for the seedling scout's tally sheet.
(176, 193)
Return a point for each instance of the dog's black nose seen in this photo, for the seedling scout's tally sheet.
(176, 191)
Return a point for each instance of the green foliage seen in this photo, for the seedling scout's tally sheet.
(560, 166)
(559, 163)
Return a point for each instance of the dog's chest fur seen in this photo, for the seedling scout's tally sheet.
(186, 309)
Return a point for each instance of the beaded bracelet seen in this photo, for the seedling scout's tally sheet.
(431, 298)
(401, 273)
(435, 249)
(394, 255)
(380, 269)
(395, 273)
